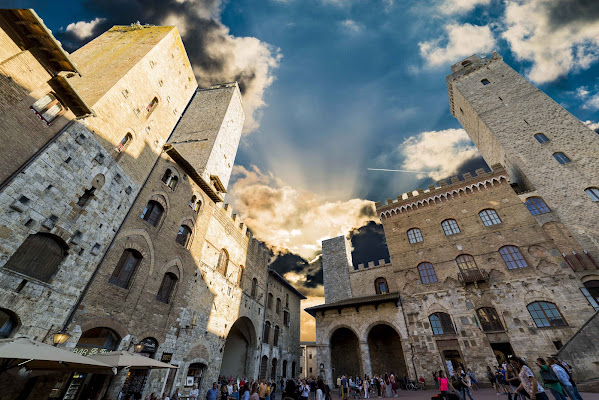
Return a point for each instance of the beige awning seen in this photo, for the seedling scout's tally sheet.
(27, 353)
(124, 359)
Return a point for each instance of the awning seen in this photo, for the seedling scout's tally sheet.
(27, 353)
(124, 359)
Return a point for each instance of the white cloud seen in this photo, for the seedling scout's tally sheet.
(556, 37)
(590, 102)
(352, 26)
(439, 152)
(82, 29)
(292, 218)
(593, 125)
(582, 92)
(462, 41)
(460, 6)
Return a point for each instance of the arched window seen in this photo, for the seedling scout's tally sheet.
(125, 268)
(125, 141)
(561, 158)
(172, 184)
(184, 235)
(39, 256)
(450, 227)
(241, 276)
(485, 82)
(441, 324)
(427, 273)
(266, 332)
(8, 323)
(269, 302)
(192, 203)
(223, 262)
(545, 314)
(541, 138)
(152, 106)
(167, 176)
(275, 340)
(536, 206)
(278, 306)
(466, 262)
(489, 320)
(103, 338)
(254, 287)
(591, 292)
(273, 371)
(167, 287)
(415, 236)
(489, 217)
(284, 372)
(196, 206)
(593, 193)
(380, 286)
(152, 212)
(512, 257)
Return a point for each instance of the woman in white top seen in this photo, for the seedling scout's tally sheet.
(320, 392)
(366, 386)
(527, 380)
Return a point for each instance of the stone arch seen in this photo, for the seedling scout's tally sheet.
(367, 329)
(190, 222)
(198, 354)
(14, 318)
(385, 349)
(129, 242)
(590, 277)
(435, 307)
(161, 198)
(106, 322)
(344, 345)
(239, 349)
(151, 333)
(339, 326)
(174, 266)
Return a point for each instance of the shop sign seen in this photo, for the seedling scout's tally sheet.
(166, 357)
(89, 351)
(150, 345)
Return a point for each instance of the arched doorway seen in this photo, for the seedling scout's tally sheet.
(386, 352)
(345, 353)
(195, 374)
(239, 349)
(263, 367)
(90, 386)
(293, 370)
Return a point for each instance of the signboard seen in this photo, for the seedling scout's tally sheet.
(150, 345)
(166, 357)
(89, 351)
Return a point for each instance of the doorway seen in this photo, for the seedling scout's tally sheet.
(502, 351)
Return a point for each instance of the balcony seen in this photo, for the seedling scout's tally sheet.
(468, 276)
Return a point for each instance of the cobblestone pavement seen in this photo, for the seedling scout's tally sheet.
(481, 394)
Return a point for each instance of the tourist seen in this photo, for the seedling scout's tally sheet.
(254, 395)
(245, 391)
(492, 379)
(224, 391)
(422, 383)
(312, 388)
(165, 396)
(267, 394)
(472, 379)
(435, 380)
(194, 393)
(211, 394)
(320, 391)
(443, 385)
(344, 387)
(234, 393)
(456, 384)
(511, 377)
(500, 378)
(466, 383)
(564, 378)
(388, 387)
(262, 390)
(273, 390)
(366, 387)
(304, 390)
(528, 380)
(550, 380)
(151, 396)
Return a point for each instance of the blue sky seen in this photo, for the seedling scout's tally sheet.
(332, 87)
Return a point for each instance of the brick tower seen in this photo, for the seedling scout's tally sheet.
(336, 261)
(549, 154)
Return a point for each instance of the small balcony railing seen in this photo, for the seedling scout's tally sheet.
(472, 276)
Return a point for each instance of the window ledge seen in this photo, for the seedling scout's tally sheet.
(30, 279)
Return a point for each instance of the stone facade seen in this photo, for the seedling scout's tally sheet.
(445, 299)
(502, 112)
(130, 200)
(308, 364)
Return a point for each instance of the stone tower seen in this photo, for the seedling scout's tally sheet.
(336, 261)
(206, 139)
(546, 150)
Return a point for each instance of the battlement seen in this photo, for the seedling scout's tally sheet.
(465, 67)
(444, 192)
(370, 265)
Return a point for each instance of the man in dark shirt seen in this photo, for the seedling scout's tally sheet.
(211, 394)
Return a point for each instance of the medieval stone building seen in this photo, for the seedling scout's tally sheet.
(481, 267)
(113, 228)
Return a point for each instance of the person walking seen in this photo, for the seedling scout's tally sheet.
(443, 385)
(466, 384)
(234, 393)
(254, 395)
(194, 393)
(492, 379)
(245, 391)
(565, 379)
(366, 387)
(550, 380)
(511, 377)
(473, 379)
(528, 380)
(320, 390)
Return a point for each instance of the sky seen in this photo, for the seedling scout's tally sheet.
(334, 87)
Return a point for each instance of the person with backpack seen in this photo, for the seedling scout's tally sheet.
(565, 379)
(528, 380)
(550, 380)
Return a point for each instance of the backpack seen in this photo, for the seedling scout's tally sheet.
(548, 376)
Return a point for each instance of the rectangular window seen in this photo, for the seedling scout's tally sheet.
(286, 318)
(47, 108)
(590, 298)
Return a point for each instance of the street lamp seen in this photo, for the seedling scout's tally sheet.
(60, 337)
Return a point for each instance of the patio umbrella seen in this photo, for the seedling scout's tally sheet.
(24, 352)
(122, 359)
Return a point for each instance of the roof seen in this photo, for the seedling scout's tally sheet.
(33, 35)
(276, 275)
(356, 302)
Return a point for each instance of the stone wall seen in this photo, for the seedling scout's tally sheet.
(581, 352)
(336, 262)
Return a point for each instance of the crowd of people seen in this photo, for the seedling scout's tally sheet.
(386, 385)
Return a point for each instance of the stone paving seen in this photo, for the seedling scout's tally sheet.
(481, 394)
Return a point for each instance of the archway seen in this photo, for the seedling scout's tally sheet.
(345, 353)
(386, 352)
(263, 367)
(239, 350)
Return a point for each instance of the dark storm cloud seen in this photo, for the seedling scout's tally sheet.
(369, 244)
(213, 52)
(305, 276)
(565, 12)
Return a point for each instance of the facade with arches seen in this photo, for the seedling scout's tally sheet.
(487, 284)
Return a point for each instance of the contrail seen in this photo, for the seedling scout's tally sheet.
(397, 170)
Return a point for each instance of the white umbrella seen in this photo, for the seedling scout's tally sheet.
(24, 352)
(121, 359)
